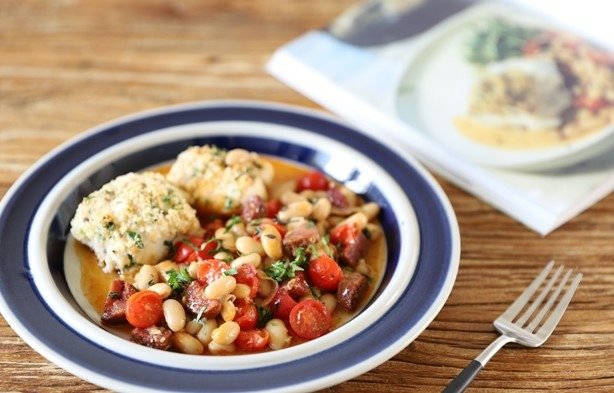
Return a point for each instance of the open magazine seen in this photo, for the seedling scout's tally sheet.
(506, 104)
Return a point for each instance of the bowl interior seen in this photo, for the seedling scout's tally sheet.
(349, 167)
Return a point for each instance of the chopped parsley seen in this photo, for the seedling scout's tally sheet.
(136, 238)
(234, 220)
(178, 280)
(230, 272)
(283, 269)
(264, 316)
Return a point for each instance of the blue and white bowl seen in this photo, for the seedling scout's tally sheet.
(38, 271)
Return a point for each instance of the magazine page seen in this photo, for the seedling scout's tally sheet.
(505, 103)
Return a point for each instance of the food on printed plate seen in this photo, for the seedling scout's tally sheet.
(219, 180)
(536, 88)
(278, 267)
(132, 219)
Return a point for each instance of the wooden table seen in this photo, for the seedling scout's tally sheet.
(66, 65)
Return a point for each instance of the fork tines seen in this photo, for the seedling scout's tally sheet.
(551, 293)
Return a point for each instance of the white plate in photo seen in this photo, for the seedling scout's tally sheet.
(436, 86)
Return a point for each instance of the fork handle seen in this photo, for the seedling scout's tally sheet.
(463, 380)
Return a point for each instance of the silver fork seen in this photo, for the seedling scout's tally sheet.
(522, 329)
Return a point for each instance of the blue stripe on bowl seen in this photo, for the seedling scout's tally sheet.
(433, 266)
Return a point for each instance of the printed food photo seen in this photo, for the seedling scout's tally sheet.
(535, 87)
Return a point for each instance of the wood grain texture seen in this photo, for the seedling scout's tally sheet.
(68, 65)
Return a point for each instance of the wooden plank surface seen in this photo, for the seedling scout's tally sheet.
(68, 65)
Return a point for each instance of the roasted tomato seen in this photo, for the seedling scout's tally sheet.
(144, 309)
(310, 319)
(325, 273)
(314, 180)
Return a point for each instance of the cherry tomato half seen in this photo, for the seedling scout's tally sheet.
(310, 319)
(247, 314)
(314, 180)
(248, 275)
(210, 270)
(273, 207)
(345, 234)
(325, 273)
(252, 340)
(144, 309)
(283, 304)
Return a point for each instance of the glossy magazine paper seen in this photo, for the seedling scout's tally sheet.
(505, 103)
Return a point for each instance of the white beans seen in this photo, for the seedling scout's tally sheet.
(162, 289)
(236, 156)
(220, 287)
(321, 209)
(371, 210)
(218, 349)
(242, 291)
(278, 334)
(251, 259)
(358, 219)
(292, 197)
(227, 239)
(146, 277)
(330, 301)
(248, 245)
(296, 222)
(192, 327)
(271, 241)
(204, 334)
(238, 229)
(295, 209)
(229, 310)
(226, 333)
(185, 343)
(222, 256)
(174, 314)
(193, 269)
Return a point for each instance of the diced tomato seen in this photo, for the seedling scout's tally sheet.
(310, 319)
(210, 270)
(248, 275)
(325, 273)
(252, 340)
(144, 309)
(247, 314)
(194, 249)
(282, 304)
(314, 180)
(345, 234)
(273, 207)
(183, 252)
